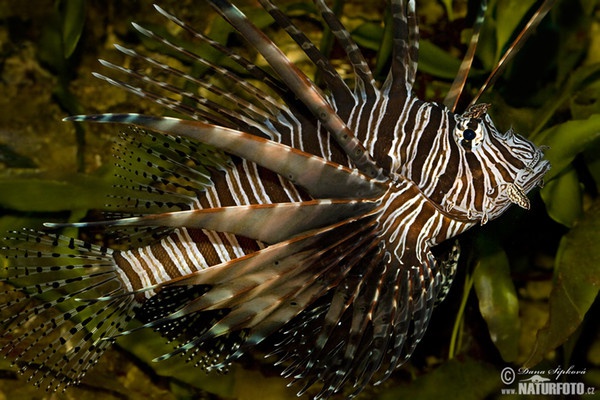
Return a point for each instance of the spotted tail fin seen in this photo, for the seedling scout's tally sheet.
(52, 327)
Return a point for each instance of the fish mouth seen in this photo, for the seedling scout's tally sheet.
(529, 177)
(501, 197)
(533, 174)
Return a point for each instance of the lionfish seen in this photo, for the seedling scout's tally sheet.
(298, 218)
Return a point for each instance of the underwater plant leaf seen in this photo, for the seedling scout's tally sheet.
(252, 384)
(73, 15)
(433, 60)
(497, 296)
(384, 52)
(303, 8)
(449, 10)
(8, 222)
(586, 102)
(368, 35)
(12, 159)
(578, 80)
(239, 383)
(146, 345)
(563, 198)
(576, 284)
(465, 379)
(509, 15)
(591, 158)
(40, 195)
(50, 45)
(573, 43)
(437, 62)
(566, 140)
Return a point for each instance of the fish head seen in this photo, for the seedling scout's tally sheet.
(492, 169)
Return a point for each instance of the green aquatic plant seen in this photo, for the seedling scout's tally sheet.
(57, 50)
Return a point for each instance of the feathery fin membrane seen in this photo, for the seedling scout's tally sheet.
(322, 179)
(287, 219)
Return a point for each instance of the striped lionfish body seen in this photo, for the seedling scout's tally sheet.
(282, 215)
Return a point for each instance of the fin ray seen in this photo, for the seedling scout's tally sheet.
(321, 178)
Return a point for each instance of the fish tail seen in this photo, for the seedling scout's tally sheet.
(61, 302)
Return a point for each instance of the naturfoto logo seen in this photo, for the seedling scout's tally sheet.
(544, 382)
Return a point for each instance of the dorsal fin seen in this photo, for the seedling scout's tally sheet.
(405, 48)
(332, 78)
(365, 83)
(303, 88)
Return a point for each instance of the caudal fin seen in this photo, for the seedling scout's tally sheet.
(54, 328)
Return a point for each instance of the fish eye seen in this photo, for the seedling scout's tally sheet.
(469, 133)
